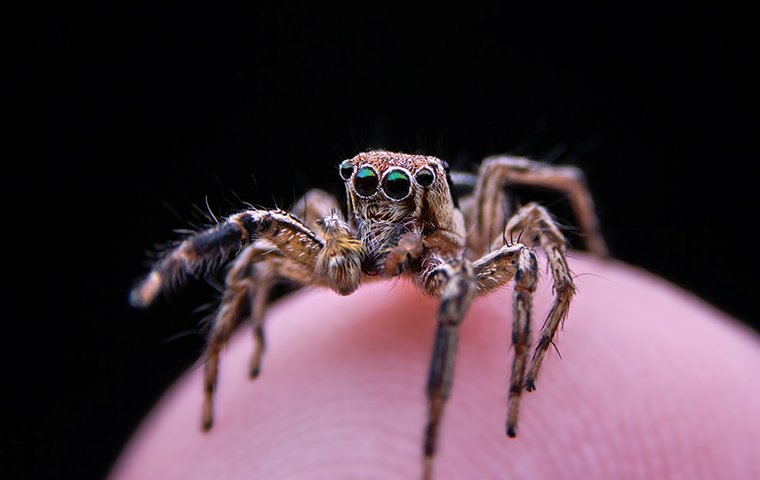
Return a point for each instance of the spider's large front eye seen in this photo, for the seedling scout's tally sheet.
(346, 168)
(397, 184)
(424, 177)
(365, 181)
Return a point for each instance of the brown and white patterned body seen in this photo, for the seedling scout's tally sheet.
(403, 219)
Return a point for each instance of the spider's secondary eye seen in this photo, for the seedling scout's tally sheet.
(445, 166)
(365, 182)
(397, 184)
(424, 177)
(346, 168)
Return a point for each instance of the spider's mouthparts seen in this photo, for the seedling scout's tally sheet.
(369, 265)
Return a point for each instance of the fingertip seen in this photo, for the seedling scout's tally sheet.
(345, 390)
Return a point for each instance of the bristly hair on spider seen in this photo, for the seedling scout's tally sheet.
(402, 218)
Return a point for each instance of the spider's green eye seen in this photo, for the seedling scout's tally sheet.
(365, 182)
(424, 177)
(397, 184)
(346, 168)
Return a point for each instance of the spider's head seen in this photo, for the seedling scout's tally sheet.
(393, 187)
(390, 194)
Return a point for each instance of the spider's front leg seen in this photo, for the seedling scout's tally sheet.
(494, 270)
(333, 254)
(250, 279)
(203, 251)
(286, 248)
(454, 283)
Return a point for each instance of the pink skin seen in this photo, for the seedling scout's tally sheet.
(652, 384)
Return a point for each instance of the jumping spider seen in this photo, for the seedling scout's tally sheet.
(403, 219)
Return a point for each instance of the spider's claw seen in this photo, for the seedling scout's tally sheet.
(511, 431)
(530, 384)
(207, 422)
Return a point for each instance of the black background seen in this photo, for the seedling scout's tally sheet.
(152, 110)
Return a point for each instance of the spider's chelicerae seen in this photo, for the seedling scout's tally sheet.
(403, 219)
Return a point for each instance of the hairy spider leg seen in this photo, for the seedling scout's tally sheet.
(452, 281)
(456, 282)
(488, 206)
(535, 222)
(200, 253)
(332, 254)
(247, 287)
(494, 270)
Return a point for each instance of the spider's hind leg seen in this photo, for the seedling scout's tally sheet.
(486, 208)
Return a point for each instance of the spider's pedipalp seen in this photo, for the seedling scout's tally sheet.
(398, 259)
(339, 262)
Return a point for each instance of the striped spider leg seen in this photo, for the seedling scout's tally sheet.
(456, 282)
(271, 245)
(486, 208)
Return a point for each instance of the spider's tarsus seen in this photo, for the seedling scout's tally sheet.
(207, 424)
(254, 367)
(144, 292)
(207, 417)
(134, 299)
